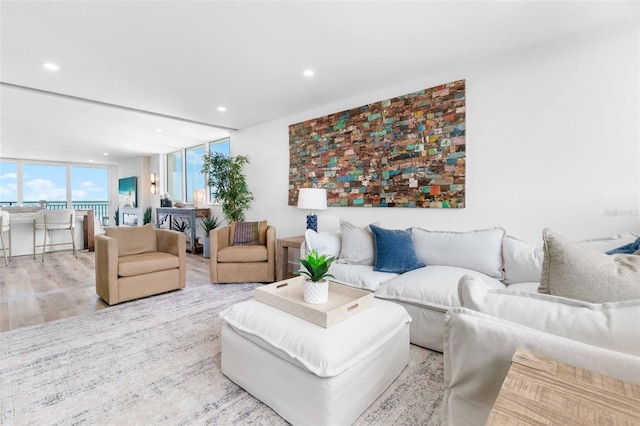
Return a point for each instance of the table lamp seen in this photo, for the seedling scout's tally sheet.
(312, 199)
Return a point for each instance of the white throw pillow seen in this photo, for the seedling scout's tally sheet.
(522, 261)
(357, 245)
(570, 269)
(608, 325)
(324, 352)
(323, 242)
(479, 250)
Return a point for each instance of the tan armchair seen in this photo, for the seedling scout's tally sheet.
(242, 263)
(139, 261)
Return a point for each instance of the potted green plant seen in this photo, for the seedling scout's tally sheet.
(316, 282)
(181, 226)
(228, 184)
(208, 224)
(147, 216)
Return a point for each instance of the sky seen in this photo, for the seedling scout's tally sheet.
(48, 182)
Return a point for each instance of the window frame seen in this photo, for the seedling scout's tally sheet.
(183, 152)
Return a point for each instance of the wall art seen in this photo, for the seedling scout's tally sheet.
(127, 192)
(409, 151)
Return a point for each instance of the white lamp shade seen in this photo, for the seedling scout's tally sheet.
(312, 198)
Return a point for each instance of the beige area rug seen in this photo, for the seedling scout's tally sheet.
(157, 361)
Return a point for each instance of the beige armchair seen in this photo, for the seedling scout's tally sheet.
(231, 263)
(139, 261)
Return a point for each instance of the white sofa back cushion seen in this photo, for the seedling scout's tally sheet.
(479, 250)
(323, 242)
(611, 325)
(522, 261)
(357, 245)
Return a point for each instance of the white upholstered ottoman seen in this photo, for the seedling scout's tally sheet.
(308, 374)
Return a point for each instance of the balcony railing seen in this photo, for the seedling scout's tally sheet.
(100, 208)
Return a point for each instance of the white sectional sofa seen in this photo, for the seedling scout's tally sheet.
(427, 293)
(482, 336)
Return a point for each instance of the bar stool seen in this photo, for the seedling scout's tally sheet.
(5, 226)
(54, 220)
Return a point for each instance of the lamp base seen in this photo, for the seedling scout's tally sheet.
(312, 222)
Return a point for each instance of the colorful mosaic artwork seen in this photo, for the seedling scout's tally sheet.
(403, 152)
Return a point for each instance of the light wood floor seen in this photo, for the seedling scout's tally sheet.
(32, 292)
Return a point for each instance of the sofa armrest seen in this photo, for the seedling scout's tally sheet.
(175, 243)
(271, 251)
(106, 265)
(218, 239)
(172, 242)
(478, 349)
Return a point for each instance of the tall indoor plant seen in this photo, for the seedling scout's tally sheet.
(228, 184)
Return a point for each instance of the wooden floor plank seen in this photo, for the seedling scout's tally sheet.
(33, 292)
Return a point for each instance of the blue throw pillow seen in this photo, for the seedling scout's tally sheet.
(394, 250)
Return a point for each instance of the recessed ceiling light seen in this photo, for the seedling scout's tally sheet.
(308, 73)
(159, 130)
(91, 161)
(51, 66)
(106, 153)
(221, 109)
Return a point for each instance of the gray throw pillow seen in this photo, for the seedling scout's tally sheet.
(357, 246)
(570, 269)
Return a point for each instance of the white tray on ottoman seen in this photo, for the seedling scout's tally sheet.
(309, 374)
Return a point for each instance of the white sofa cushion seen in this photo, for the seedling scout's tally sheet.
(323, 242)
(479, 250)
(522, 261)
(570, 269)
(477, 356)
(433, 286)
(612, 325)
(357, 246)
(324, 352)
(359, 276)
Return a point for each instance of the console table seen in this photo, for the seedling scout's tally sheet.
(190, 216)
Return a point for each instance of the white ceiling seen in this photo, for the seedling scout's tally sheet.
(185, 58)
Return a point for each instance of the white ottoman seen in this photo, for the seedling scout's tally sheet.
(308, 374)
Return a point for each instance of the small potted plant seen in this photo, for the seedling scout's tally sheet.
(208, 224)
(316, 282)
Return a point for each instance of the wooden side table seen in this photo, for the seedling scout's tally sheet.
(539, 390)
(282, 255)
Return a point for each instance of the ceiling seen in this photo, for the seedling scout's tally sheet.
(128, 68)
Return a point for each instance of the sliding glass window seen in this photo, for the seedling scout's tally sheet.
(44, 184)
(184, 179)
(174, 175)
(194, 179)
(54, 186)
(90, 190)
(223, 146)
(8, 183)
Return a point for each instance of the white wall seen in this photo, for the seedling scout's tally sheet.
(552, 141)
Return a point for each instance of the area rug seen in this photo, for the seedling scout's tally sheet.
(157, 361)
